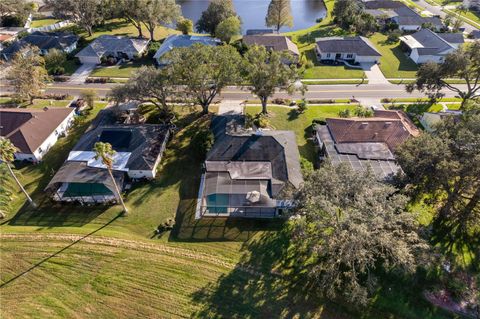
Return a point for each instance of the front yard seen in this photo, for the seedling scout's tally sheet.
(124, 70)
(37, 103)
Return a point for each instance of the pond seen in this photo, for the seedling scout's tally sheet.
(253, 12)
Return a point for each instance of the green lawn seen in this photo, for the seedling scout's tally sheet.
(393, 63)
(283, 118)
(333, 72)
(472, 16)
(121, 71)
(122, 28)
(37, 23)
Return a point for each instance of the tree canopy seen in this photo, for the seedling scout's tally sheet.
(205, 70)
(266, 71)
(27, 74)
(350, 15)
(279, 14)
(85, 13)
(185, 26)
(464, 63)
(445, 166)
(159, 12)
(217, 11)
(228, 28)
(350, 227)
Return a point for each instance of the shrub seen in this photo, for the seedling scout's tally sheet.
(309, 65)
(60, 78)
(361, 111)
(393, 36)
(306, 165)
(318, 20)
(261, 121)
(345, 113)
(98, 80)
(153, 48)
(302, 106)
(386, 100)
(321, 101)
(57, 70)
(281, 101)
(319, 121)
(13, 21)
(203, 142)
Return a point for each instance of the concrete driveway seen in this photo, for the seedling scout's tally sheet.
(82, 73)
(374, 74)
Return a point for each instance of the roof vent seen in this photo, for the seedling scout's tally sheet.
(364, 125)
(45, 108)
(387, 124)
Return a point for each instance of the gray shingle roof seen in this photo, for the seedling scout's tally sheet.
(183, 41)
(110, 43)
(44, 41)
(358, 45)
(142, 141)
(275, 42)
(428, 42)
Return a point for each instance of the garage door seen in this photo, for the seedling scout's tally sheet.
(90, 60)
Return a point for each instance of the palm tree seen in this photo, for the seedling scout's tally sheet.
(105, 152)
(7, 155)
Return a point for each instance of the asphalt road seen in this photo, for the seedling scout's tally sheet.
(437, 10)
(372, 91)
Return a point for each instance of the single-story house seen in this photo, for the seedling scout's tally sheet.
(426, 45)
(365, 143)
(34, 131)
(400, 14)
(430, 119)
(82, 178)
(472, 4)
(63, 41)
(112, 46)
(475, 34)
(181, 41)
(274, 42)
(247, 174)
(353, 49)
(259, 31)
(9, 34)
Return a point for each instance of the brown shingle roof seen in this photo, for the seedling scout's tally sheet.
(276, 42)
(390, 127)
(27, 129)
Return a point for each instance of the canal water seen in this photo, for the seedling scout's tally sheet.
(253, 12)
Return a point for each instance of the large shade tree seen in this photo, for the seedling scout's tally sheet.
(159, 12)
(205, 71)
(279, 14)
(27, 74)
(105, 153)
(131, 10)
(464, 63)
(445, 166)
(85, 13)
(217, 11)
(7, 156)
(266, 71)
(350, 228)
(149, 85)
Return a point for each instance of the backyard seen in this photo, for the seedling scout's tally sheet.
(284, 118)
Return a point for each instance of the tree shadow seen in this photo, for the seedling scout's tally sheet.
(57, 253)
(293, 115)
(255, 288)
(462, 246)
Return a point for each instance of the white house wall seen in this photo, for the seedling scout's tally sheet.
(48, 143)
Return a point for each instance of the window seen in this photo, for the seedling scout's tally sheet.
(328, 55)
(350, 56)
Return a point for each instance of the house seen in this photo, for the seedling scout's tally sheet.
(365, 143)
(63, 41)
(34, 131)
(430, 119)
(8, 35)
(84, 179)
(353, 49)
(247, 174)
(274, 42)
(475, 34)
(400, 14)
(426, 45)
(112, 46)
(259, 31)
(181, 41)
(472, 4)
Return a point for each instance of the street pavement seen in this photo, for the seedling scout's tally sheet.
(437, 10)
(235, 93)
